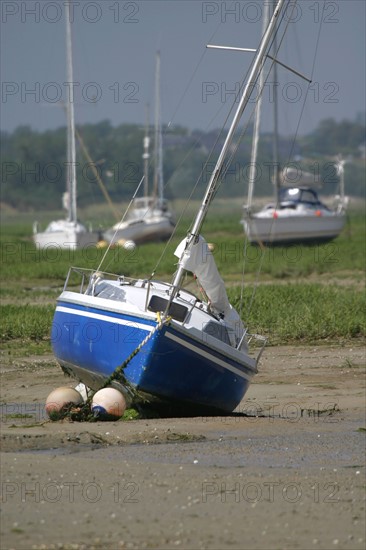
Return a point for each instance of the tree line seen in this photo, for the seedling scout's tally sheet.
(34, 164)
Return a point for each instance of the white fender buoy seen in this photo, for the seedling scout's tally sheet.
(108, 404)
(60, 399)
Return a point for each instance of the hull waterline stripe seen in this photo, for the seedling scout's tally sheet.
(149, 328)
(106, 318)
(211, 358)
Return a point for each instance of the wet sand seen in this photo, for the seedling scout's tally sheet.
(287, 472)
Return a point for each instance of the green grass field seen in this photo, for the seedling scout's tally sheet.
(301, 293)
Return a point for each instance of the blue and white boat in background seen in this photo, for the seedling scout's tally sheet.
(171, 347)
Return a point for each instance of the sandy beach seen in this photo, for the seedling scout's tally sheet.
(287, 471)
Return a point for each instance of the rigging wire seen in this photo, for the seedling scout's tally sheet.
(308, 88)
(122, 219)
(185, 91)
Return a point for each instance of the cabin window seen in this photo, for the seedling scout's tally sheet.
(105, 290)
(176, 311)
(309, 196)
(291, 195)
(217, 331)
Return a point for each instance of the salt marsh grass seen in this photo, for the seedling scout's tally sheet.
(310, 293)
(307, 312)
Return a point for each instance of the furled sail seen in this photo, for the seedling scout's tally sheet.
(198, 259)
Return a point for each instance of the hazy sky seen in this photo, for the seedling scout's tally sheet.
(114, 44)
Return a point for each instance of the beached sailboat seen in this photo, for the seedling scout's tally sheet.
(150, 218)
(154, 339)
(67, 233)
(296, 215)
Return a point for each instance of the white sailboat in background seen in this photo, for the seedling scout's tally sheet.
(149, 218)
(296, 215)
(67, 233)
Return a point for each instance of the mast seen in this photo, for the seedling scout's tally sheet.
(146, 154)
(158, 142)
(257, 122)
(214, 179)
(341, 175)
(71, 148)
(340, 170)
(276, 174)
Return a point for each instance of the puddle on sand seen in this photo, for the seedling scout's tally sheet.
(269, 452)
(275, 451)
(339, 448)
(61, 451)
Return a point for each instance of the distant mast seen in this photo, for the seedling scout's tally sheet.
(257, 121)
(146, 154)
(71, 149)
(158, 146)
(276, 173)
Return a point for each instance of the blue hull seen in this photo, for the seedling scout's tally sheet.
(90, 343)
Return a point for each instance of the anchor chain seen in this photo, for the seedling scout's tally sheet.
(119, 370)
(84, 413)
